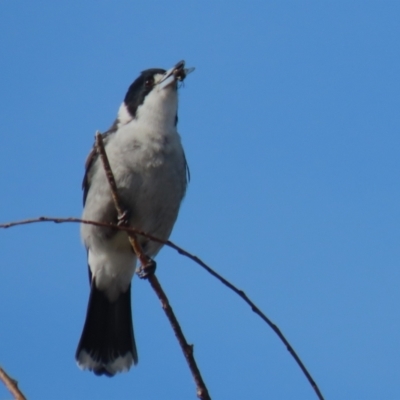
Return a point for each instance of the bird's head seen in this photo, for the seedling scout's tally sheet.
(153, 95)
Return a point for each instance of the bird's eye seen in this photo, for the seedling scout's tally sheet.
(149, 82)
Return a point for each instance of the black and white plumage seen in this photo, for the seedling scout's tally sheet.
(146, 156)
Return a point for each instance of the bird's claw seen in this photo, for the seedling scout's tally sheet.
(144, 271)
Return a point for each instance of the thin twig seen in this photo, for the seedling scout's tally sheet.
(202, 392)
(198, 261)
(117, 202)
(11, 385)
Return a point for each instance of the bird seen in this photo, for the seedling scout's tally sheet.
(151, 173)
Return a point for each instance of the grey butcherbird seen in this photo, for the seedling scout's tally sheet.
(146, 156)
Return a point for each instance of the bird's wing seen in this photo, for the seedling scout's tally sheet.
(187, 169)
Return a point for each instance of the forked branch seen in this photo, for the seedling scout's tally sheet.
(132, 233)
(198, 261)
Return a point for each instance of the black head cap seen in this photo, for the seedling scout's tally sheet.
(140, 88)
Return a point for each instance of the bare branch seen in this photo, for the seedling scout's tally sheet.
(11, 385)
(198, 261)
(187, 349)
(146, 262)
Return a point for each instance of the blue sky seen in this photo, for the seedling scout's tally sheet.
(291, 129)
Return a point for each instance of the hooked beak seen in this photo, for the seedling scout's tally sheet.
(177, 73)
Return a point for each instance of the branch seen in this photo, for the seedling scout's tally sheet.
(11, 385)
(198, 261)
(186, 348)
(146, 264)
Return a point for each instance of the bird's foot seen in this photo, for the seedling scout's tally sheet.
(144, 271)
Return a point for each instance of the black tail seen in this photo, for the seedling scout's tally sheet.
(107, 344)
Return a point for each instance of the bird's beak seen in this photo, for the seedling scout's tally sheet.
(177, 73)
